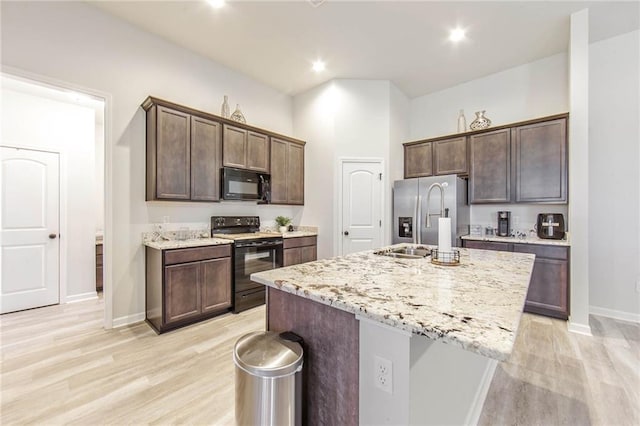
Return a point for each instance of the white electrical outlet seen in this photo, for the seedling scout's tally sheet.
(383, 373)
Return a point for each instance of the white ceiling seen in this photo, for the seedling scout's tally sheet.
(405, 42)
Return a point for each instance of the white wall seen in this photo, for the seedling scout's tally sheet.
(614, 140)
(346, 118)
(36, 122)
(398, 134)
(313, 121)
(76, 43)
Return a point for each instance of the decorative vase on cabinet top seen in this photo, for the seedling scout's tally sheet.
(237, 115)
(224, 110)
(481, 122)
(462, 122)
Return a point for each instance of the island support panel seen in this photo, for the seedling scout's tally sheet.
(432, 383)
(331, 363)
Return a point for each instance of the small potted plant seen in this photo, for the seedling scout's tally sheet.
(282, 222)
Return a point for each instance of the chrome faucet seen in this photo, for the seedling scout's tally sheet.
(441, 187)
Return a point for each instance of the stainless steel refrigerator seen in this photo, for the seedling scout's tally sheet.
(411, 206)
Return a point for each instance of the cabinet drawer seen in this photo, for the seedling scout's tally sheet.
(194, 254)
(547, 252)
(487, 245)
(300, 242)
(98, 249)
(249, 299)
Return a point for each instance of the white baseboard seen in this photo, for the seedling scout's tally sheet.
(612, 313)
(473, 416)
(129, 319)
(81, 297)
(579, 328)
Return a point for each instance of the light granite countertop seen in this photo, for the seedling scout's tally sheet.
(527, 240)
(297, 234)
(476, 305)
(194, 242)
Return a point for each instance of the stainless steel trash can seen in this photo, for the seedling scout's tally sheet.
(268, 379)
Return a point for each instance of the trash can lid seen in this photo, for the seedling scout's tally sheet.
(266, 354)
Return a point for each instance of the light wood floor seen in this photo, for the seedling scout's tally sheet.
(60, 366)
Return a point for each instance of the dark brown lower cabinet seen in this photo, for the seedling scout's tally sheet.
(187, 285)
(99, 271)
(299, 250)
(549, 287)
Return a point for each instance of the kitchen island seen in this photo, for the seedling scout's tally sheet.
(399, 341)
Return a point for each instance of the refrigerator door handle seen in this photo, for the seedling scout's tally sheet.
(417, 229)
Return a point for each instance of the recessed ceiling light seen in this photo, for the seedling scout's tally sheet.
(318, 66)
(216, 4)
(457, 34)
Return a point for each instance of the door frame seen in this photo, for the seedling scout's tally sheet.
(107, 240)
(338, 248)
(62, 212)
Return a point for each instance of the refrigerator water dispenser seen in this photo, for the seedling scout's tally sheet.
(405, 227)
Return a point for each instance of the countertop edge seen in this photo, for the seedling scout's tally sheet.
(176, 244)
(514, 240)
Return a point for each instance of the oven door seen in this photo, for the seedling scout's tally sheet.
(256, 257)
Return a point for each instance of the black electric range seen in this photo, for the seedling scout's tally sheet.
(254, 251)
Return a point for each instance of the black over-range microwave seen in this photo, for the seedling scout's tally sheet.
(238, 184)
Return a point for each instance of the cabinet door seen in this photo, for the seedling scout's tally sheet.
(173, 144)
(205, 159)
(182, 291)
(308, 254)
(234, 147)
(292, 256)
(541, 162)
(257, 152)
(418, 160)
(279, 175)
(490, 174)
(295, 174)
(450, 156)
(216, 284)
(548, 288)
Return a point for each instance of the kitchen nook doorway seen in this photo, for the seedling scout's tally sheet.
(40, 114)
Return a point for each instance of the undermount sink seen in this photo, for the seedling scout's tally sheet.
(405, 252)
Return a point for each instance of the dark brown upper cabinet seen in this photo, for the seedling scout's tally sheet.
(436, 157)
(245, 149)
(450, 156)
(490, 174)
(205, 159)
(287, 171)
(168, 154)
(540, 158)
(186, 149)
(418, 160)
(183, 156)
(524, 162)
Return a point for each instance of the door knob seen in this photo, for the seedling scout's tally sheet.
(52, 236)
(346, 232)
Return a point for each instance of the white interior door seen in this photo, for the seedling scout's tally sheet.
(29, 224)
(361, 206)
